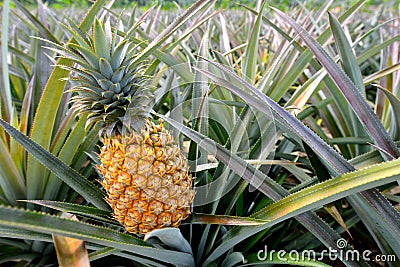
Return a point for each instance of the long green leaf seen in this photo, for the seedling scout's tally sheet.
(225, 220)
(71, 177)
(5, 88)
(328, 191)
(101, 252)
(347, 57)
(66, 155)
(383, 229)
(45, 223)
(18, 233)
(377, 49)
(251, 53)
(233, 259)
(85, 211)
(395, 104)
(351, 68)
(11, 181)
(100, 42)
(381, 73)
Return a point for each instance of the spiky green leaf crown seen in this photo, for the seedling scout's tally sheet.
(109, 86)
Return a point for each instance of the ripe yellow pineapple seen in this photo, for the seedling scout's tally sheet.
(145, 174)
(146, 178)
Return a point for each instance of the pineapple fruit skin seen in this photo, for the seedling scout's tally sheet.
(146, 179)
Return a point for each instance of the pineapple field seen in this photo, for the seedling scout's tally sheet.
(205, 133)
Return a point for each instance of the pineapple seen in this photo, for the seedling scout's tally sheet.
(144, 173)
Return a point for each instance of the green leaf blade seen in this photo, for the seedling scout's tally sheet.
(336, 188)
(71, 177)
(49, 224)
(85, 211)
(100, 43)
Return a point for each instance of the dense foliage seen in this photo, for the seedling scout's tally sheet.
(289, 121)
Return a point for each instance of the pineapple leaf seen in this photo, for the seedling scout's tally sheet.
(189, 31)
(377, 49)
(11, 181)
(381, 73)
(110, 39)
(233, 259)
(65, 148)
(23, 234)
(87, 54)
(226, 220)
(381, 227)
(118, 74)
(351, 68)
(171, 237)
(105, 68)
(135, 23)
(102, 252)
(85, 211)
(79, 36)
(333, 189)
(100, 43)
(395, 103)
(349, 62)
(5, 93)
(50, 224)
(105, 251)
(250, 62)
(70, 176)
(119, 52)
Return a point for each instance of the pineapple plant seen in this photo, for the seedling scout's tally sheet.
(145, 173)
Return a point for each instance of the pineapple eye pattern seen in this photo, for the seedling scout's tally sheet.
(152, 188)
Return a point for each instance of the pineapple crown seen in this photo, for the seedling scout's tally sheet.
(109, 85)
